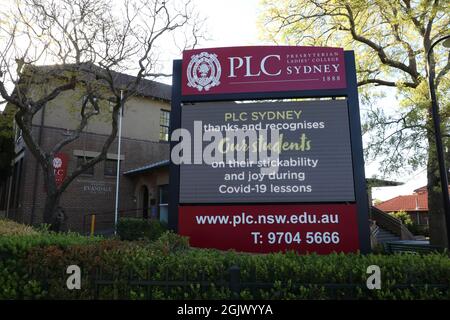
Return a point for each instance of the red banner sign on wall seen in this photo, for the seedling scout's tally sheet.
(321, 228)
(60, 162)
(262, 69)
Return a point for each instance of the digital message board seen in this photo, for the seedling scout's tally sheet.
(314, 163)
(313, 198)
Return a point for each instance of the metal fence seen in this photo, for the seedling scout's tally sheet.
(234, 287)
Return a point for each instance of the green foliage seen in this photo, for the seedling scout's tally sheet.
(139, 229)
(43, 227)
(18, 244)
(420, 230)
(16, 281)
(404, 217)
(34, 268)
(170, 242)
(390, 40)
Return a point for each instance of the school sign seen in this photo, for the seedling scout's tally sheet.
(311, 197)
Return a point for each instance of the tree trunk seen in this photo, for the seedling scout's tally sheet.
(51, 210)
(438, 234)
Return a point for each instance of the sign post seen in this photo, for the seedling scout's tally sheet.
(315, 200)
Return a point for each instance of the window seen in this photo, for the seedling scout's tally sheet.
(18, 133)
(83, 160)
(164, 121)
(110, 167)
(164, 203)
(16, 183)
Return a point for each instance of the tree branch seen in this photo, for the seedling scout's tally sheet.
(379, 82)
(84, 121)
(379, 50)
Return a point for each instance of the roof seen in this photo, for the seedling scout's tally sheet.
(414, 202)
(421, 189)
(148, 167)
(146, 88)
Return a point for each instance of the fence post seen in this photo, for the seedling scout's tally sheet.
(92, 224)
(235, 279)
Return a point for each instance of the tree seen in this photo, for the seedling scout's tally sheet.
(390, 40)
(404, 217)
(6, 144)
(87, 43)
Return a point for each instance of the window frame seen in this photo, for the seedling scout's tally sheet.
(163, 127)
(114, 161)
(85, 159)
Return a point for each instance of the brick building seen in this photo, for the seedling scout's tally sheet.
(416, 205)
(144, 140)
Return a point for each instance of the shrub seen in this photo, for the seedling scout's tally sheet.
(170, 242)
(422, 230)
(16, 245)
(404, 217)
(8, 227)
(34, 268)
(17, 278)
(407, 221)
(132, 229)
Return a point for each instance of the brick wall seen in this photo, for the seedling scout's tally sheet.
(88, 193)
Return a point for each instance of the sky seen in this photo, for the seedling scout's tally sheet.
(230, 22)
(234, 23)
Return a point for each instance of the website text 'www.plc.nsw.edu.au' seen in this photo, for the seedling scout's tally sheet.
(250, 219)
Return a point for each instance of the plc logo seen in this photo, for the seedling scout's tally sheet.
(57, 162)
(203, 71)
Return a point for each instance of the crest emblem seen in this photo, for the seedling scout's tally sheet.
(203, 71)
(57, 162)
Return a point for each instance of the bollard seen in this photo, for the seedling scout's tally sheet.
(92, 224)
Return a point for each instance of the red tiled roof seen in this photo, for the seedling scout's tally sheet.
(421, 189)
(414, 202)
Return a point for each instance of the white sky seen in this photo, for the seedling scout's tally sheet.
(233, 23)
(230, 22)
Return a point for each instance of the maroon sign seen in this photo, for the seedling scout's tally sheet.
(60, 161)
(321, 228)
(262, 69)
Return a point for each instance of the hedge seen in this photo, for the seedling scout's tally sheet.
(15, 279)
(9, 227)
(36, 269)
(137, 229)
